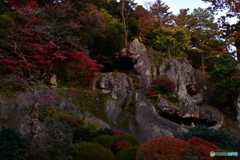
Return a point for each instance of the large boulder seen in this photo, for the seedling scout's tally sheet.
(192, 92)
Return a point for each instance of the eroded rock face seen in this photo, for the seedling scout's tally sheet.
(137, 51)
(192, 92)
(140, 118)
(152, 124)
(120, 87)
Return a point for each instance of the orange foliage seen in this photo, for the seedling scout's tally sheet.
(162, 148)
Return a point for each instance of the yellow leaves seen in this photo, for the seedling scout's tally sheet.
(109, 18)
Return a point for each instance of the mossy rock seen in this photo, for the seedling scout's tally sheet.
(105, 140)
(127, 153)
(93, 151)
(93, 102)
(131, 138)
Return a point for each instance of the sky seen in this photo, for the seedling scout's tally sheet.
(176, 5)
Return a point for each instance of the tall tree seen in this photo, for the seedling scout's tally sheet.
(202, 28)
(145, 22)
(126, 7)
(233, 6)
(160, 10)
(173, 41)
(227, 78)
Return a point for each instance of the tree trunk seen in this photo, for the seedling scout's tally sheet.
(169, 55)
(238, 51)
(203, 66)
(124, 22)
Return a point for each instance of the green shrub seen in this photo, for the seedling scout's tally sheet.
(218, 137)
(83, 134)
(92, 125)
(105, 140)
(131, 138)
(12, 143)
(93, 152)
(105, 131)
(51, 115)
(61, 142)
(61, 134)
(127, 153)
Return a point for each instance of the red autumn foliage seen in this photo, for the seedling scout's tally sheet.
(31, 52)
(200, 142)
(205, 147)
(151, 93)
(162, 148)
(17, 84)
(72, 123)
(163, 84)
(122, 144)
(117, 133)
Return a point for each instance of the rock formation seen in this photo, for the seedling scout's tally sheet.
(192, 91)
(130, 106)
(138, 52)
(131, 111)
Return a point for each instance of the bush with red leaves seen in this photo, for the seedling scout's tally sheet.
(72, 123)
(122, 144)
(162, 87)
(200, 142)
(162, 148)
(205, 146)
(117, 133)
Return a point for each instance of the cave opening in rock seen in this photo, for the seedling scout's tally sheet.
(192, 89)
(125, 65)
(189, 121)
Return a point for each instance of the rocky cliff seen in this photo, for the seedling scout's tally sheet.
(130, 110)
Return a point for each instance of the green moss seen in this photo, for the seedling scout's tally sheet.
(51, 115)
(167, 67)
(93, 102)
(125, 123)
(235, 126)
(10, 90)
(131, 108)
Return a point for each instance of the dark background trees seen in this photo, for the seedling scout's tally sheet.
(42, 36)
